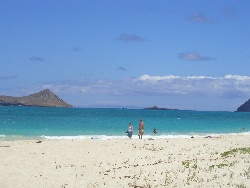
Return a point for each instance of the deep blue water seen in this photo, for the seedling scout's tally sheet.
(19, 122)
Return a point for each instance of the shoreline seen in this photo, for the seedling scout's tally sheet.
(118, 137)
(126, 163)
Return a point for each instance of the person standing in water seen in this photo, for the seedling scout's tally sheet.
(130, 130)
(141, 129)
(154, 131)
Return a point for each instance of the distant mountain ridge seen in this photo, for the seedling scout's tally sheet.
(42, 98)
(244, 107)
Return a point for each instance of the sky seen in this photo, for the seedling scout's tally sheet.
(181, 54)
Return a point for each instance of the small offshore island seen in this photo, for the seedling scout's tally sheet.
(45, 98)
(157, 108)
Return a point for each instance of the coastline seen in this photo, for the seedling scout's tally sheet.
(119, 137)
(126, 163)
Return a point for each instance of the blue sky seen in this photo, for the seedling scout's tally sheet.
(185, 54)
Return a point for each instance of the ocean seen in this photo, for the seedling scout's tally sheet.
(22, 122)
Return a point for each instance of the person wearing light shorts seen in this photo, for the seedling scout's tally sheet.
(141, 129)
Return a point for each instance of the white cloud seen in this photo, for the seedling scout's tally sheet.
(229, 86)
(157, 78)
(237, 77)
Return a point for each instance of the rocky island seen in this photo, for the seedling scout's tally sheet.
(244, 107)
(45, 98)
(157, 108)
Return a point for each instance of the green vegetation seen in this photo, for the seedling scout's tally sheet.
(187, 164)
(221, 165)
(241, 186)
(234, 151)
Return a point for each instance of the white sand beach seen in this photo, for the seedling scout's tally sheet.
(175, 162)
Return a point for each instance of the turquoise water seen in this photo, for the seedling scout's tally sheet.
(19, 122)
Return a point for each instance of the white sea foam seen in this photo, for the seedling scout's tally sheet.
(135, 137)
(105, 137)
(242, 133)
(84, 137)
